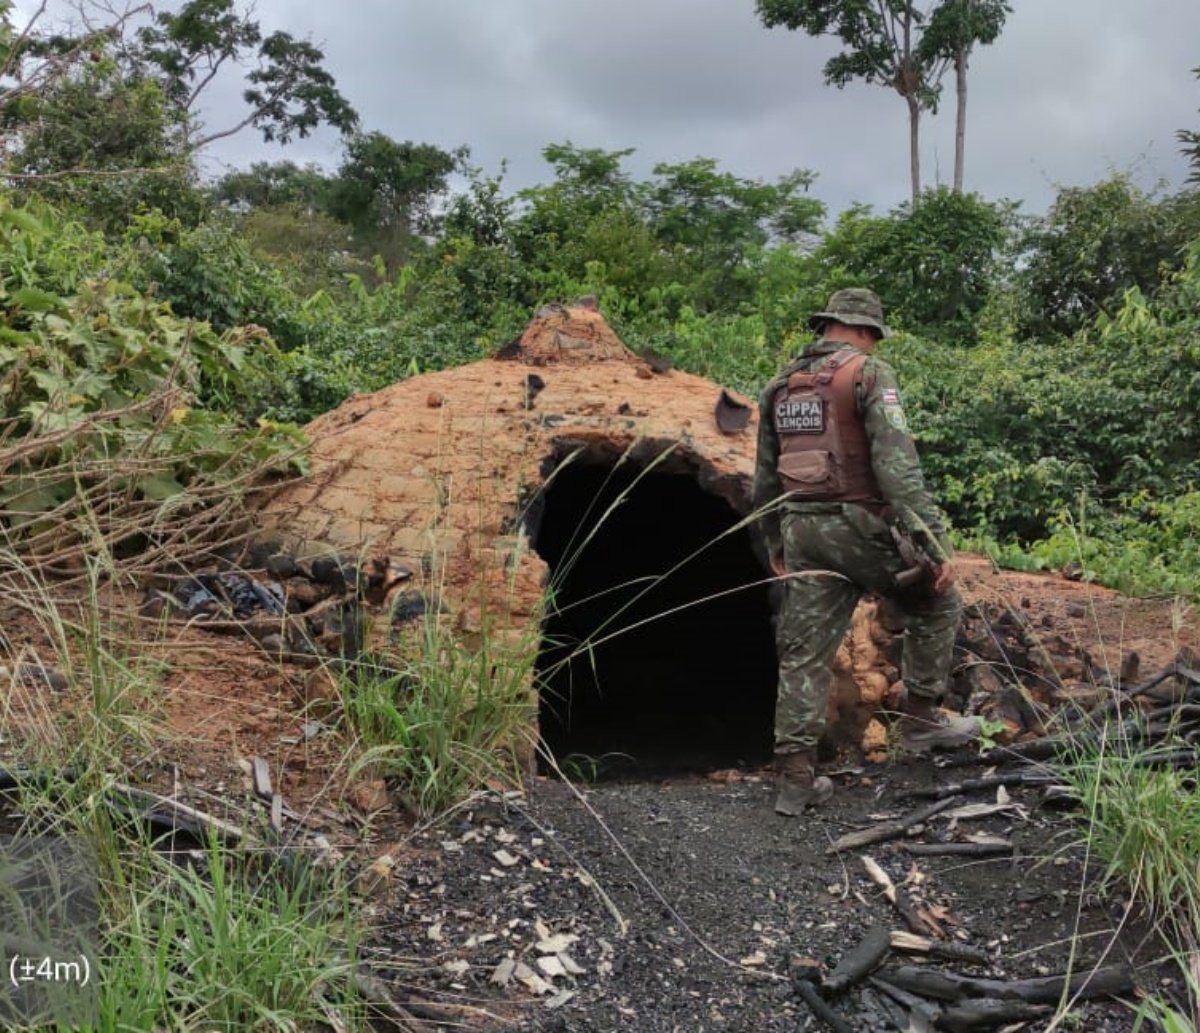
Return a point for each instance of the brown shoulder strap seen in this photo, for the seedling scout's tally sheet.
(846, 376)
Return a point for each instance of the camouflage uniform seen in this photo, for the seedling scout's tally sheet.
(843, 549)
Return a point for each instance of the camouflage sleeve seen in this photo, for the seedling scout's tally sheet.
(893, 452)
(766, 477)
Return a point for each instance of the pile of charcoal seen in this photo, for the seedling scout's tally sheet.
(301, 610)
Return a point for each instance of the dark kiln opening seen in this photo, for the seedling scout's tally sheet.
(651, 661)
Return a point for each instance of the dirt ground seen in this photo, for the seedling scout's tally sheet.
(668, 904)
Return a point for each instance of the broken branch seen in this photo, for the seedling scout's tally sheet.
(860, 961)
(892, 829)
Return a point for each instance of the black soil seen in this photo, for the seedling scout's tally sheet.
(720, 900)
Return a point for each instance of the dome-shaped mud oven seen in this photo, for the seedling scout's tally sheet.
(575, 496)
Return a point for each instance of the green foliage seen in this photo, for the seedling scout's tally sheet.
(1097, 243)
(273, 184)
(956, 26)
(105, 146)
(288, 90)
(72, 362)
(454, 717)
(233, 945)
(208, 273)
(1190, 138)
(1142, 822)
(935, 264)
(309, 249)
(386, 192)
(707, 222)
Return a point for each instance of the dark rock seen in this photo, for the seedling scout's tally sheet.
(411, 604)
(282, 566)
(330, 571)
(37, 676)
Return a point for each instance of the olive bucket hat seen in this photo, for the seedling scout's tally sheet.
(854, 306)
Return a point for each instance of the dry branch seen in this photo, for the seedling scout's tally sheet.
(1019, 778)
(892, 829)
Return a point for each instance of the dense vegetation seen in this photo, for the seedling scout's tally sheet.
(1050, 361)
(162, 338)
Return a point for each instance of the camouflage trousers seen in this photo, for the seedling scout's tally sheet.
(833, 556)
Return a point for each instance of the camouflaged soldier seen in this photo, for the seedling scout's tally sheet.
(836, 465)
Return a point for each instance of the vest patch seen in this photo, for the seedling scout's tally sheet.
(800, 417)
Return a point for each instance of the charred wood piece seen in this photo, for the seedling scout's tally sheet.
(893, 829)
(983, 1013)
(967, 785)
(949, 986)
(860, 961)
(811, 996)
(950, 950)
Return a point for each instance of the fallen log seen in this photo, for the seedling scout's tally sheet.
(860, 961)
(892, 829)
(950, 986)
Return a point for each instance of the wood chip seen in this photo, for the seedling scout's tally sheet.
(503, 973)
(572, 967)
(531, 980)
(551, 966)
(505, 858)
(753, 960)
(557, 943)
(261, 772)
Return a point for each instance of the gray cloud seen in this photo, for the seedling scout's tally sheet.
(1070, 91)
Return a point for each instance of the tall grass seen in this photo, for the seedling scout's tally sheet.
(223, 941)
(453, 716)
(1142, 824)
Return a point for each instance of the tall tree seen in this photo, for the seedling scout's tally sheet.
(708, 221)
(386, 192)
(881, 40)
(288, 90)
(1190, 138)
(953, 30)
(91, 101)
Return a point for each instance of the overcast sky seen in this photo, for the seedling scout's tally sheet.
(1071, 90)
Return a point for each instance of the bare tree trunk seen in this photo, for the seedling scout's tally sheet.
(914, 150)
(960, 117)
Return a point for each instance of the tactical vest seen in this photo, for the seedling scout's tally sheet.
(824, 453)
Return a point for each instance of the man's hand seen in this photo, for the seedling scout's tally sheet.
(778, 567)
(944, 576)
